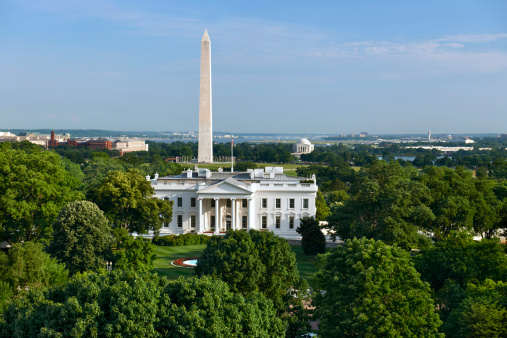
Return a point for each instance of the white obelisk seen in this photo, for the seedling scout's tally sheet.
(205, 150)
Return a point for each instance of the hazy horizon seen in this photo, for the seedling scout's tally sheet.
(330, 67)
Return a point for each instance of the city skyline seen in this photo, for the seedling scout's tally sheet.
(387, 67)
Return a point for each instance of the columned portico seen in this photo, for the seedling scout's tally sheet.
(218, 219)
(200, 222)
(233, 205)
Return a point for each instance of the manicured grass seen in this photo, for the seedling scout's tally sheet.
(306, 264)
(166, 254)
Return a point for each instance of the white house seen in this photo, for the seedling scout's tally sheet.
(213, 202)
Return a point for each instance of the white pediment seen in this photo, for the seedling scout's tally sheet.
(227, 187)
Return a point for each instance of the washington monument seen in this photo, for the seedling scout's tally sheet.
(205, 153)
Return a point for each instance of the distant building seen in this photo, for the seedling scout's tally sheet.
(303, 147)
(363, 134)
(129, 145)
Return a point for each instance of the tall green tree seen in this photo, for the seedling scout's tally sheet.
(313, 240)
(82, 237)
(370, 289)
(322, 208)
(386, 203)
(34, 186)
(27, 266)
(483, 313)
(127, 200)
(254, 261)
(137, 254)
(457, 260)
(127, 304)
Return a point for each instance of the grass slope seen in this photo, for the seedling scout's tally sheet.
(166, 254)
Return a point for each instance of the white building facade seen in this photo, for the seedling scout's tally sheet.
(214, 202)
(303, 147)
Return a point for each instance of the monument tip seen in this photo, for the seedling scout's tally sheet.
(205, 37)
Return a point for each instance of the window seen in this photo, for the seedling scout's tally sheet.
(277, 222)
(291, 222)
(278, 203)
(180, 221)
(166, 198)
(305, 203)
(212, 223)
(264, 203)
(213, 203)
(264, 222)
(244, 222)
(180, 201)
(291, 203)
(229, 203)
(192, 202)
(244, 203)
(166, 225)
(192, 221)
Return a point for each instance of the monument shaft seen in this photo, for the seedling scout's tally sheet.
(205, 150)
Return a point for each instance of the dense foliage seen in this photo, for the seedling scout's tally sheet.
(34, 186)
(254, 261)
(386, 204)
(127, 200)
(138, 254)
(483, 313)
(370, 289)
(181, 240)
(313, 241)
(27, 266)
(127, 304)
(456, 261)
(81, 237)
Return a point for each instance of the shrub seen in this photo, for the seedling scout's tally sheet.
(181, 240)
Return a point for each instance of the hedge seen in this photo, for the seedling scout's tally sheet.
(181, 240)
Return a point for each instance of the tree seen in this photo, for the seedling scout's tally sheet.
(386, 203)
(128, 304)
(457, 260)
(138, 254)
(313, 240)
(371, 289)
(127, 200)
(322, 209)
(34, 186)
(482, 313)
(82, 237)
(254, 261)
(27, 266)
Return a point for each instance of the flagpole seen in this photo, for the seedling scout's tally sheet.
(232, 155)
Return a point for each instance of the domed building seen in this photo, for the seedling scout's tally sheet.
(303, 147)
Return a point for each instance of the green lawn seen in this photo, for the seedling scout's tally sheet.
(166, 254)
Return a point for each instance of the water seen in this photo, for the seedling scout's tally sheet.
(191, 262)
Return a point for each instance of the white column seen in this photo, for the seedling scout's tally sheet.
(250, 213)
(233, 218)
(200, 221)
(217, 217)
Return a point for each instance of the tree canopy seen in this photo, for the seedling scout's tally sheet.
(127, 304)
(254, 261)
(127, 200)
(370, 289)
(138, 254)
(313, 241)
(34, 186)
(385, 204)
(81, 237)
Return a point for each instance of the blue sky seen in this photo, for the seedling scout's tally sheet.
(277, 66)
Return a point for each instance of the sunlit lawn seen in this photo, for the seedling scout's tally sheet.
(166, 254)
